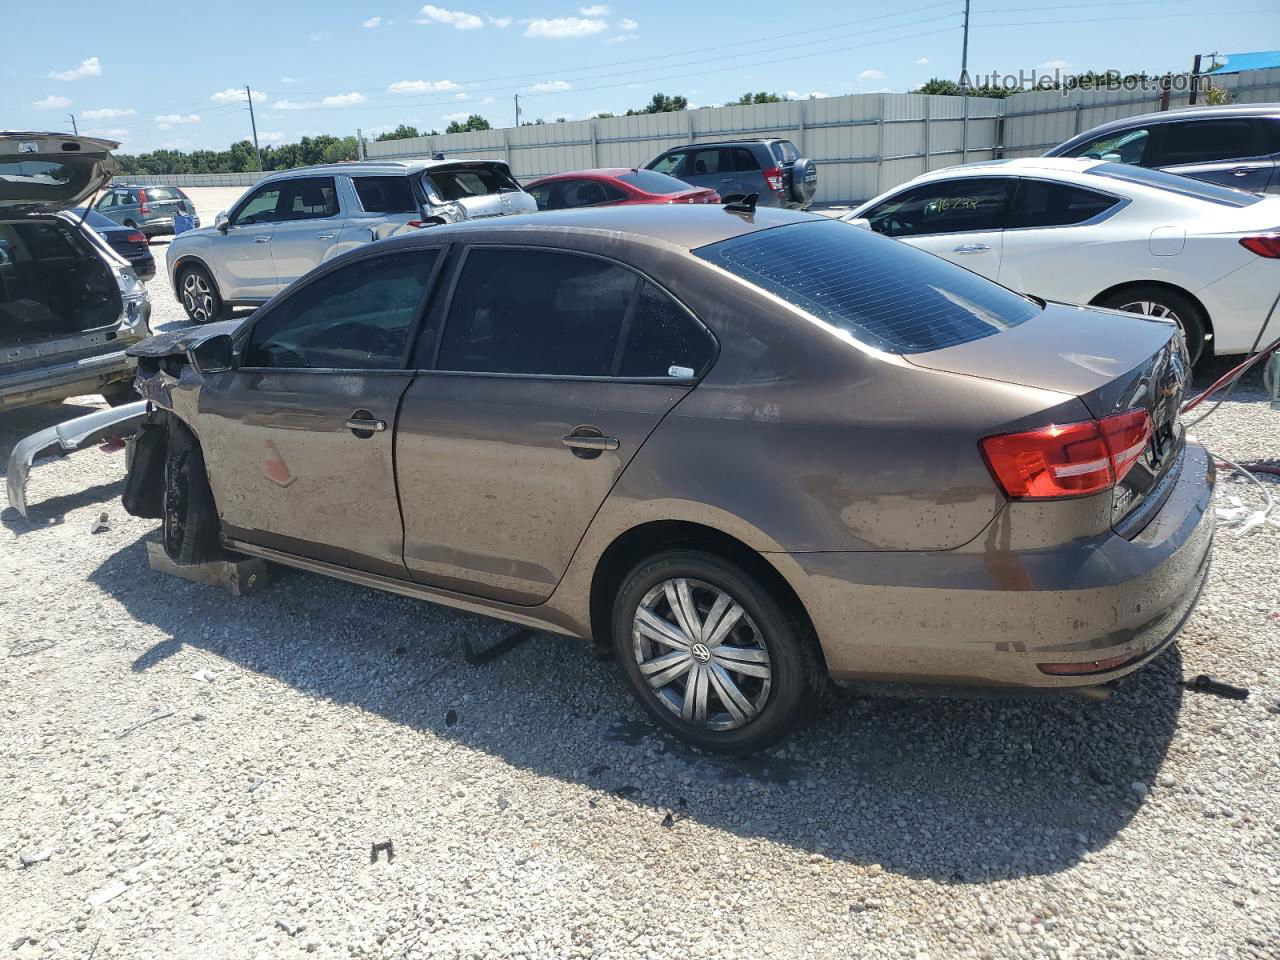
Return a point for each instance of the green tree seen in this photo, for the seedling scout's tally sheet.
(661, 103)
(402, 132)
(473, 122)
(949, 88)
(749, 98)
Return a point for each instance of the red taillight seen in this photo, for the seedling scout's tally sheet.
(773, 177)
(1265, 245)
(1069, 460)
(143, 206)
(1085, 667)
(136, 237)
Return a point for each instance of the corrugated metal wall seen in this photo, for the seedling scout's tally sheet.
(863, 144)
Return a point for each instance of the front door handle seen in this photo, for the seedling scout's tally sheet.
(588, 443)
(364, 424)
(971, 248)
(1243, 171)
(266, 239)
(326, 236)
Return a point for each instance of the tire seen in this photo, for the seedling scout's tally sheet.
(199, 294)
(119, 393)
(190, 520)
(804, 181)
(787, 677)
(1157, 301)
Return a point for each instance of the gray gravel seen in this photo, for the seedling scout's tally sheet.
(186, 774)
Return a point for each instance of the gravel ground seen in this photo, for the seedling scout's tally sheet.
(187, 774)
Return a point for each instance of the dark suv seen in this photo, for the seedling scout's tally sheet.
(1236, 146)
(735, 169)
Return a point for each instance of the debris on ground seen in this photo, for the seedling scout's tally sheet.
(204, 676)
(101, 525)
(30, 858)
(106, 894)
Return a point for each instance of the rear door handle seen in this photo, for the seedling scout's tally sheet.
(579, 442)
(364, 424)
(1244, 171)
(262, 239)
(971, 248)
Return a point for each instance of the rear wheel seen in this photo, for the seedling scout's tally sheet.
(711, 654)
(199, 294)
(190, 520)
(1155, 301)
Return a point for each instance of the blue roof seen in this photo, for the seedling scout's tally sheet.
(1237, 62)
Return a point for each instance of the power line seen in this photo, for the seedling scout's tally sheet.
(1163, 16)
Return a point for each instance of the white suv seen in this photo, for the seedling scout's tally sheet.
(295, 220)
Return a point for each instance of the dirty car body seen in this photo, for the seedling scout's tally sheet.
(69, 304)
(528, 418)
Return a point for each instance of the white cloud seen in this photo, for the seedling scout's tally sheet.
(338, 100)
(626, 23)
(598, 10)
(422, 86)
(108, 113)
(498, 22)
(113, 133)
(818, 95)
(551, 86)
(288, 79)
(458, 19)
(867, 75)
(923, 60)
(270, 136)
(462, 96)
(237, 95)
(372, 23)
(559, 27)
(52, 102)
(1050, 65)
(167, 120)
(87, 68)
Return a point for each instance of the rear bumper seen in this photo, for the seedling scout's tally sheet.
(62, 380)
(986, 616)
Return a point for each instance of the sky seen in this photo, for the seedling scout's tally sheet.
(175, 76)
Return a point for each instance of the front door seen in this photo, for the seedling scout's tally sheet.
(552, 371)
(309, 225)
(299, 436)
(242, 255)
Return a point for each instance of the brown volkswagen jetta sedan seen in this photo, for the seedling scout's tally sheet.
(748, 451)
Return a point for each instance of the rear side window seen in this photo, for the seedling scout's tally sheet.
(536, 312)
(308, 198)
(588, 193)
(1042, 204)
(385, 194)
(887, 295)
(744, 159)
(359, 317)
(1271, 133)
(945, 206)
(1205, 141)
(1184, 186)
(785, 151)
(663, 339)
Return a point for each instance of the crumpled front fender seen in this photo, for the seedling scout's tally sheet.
(66, 437)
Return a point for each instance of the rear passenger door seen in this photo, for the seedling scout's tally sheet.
(552, 369)
(1230, 151)
(308, 227)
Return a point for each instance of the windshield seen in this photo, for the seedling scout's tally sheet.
(1184, 186)
(882, 292)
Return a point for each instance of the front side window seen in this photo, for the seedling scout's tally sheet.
(536, 312)
(359, 317)
(1205, 141)
(704, 162)
(669, 163)
(1127, 146)
(260, 207)
(890, 296)
(1042, 204)
(385, 194)
(947, 206)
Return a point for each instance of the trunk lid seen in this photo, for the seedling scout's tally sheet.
(52, 171)
(1114, 362)
(482, 188)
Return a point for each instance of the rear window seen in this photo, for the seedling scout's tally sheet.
(786, 151)
(163, 193)
(473, 182)
(1183, 186)
(385, 194)
(651, 182)
(881, 292)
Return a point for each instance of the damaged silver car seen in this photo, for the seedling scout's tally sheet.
(69, 304)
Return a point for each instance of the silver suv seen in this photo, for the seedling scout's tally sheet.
(151, 209)
(69, 304)
(293, 221)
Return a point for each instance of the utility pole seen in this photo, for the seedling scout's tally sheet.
(254, 124)
(1195, 81)
(517, 109)
(964, 87)
(73, 124)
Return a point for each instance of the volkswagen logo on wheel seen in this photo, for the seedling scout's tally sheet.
(700, 652)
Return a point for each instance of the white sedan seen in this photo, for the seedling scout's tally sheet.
(1108, 234)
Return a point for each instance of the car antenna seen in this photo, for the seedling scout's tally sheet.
(745, 205)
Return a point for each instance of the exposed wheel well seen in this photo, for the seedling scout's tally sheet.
(1171, 287)
(648, 539)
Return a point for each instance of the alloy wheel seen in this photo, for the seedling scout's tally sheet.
(197, 298)
(1150, 308)
(701, 654)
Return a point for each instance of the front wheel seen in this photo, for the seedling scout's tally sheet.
(190, 519)
(1155, 301)
(199, 295)
(712, 655)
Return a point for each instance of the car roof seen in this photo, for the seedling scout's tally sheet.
(1013, 167)
(1194, 113)
(726, 143)
(687, 226)
(593, 172)
(388, 168)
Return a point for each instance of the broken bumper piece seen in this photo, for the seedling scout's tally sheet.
(67, 437)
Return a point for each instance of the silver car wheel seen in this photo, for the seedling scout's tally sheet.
(197, 298)
(701, 654)
(1151, 309)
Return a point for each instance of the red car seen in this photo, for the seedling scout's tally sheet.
(614, 186)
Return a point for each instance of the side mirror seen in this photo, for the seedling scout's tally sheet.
(862, 222)
(212, 354)
(222, 221)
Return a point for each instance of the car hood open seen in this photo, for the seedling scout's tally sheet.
(52, 171)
